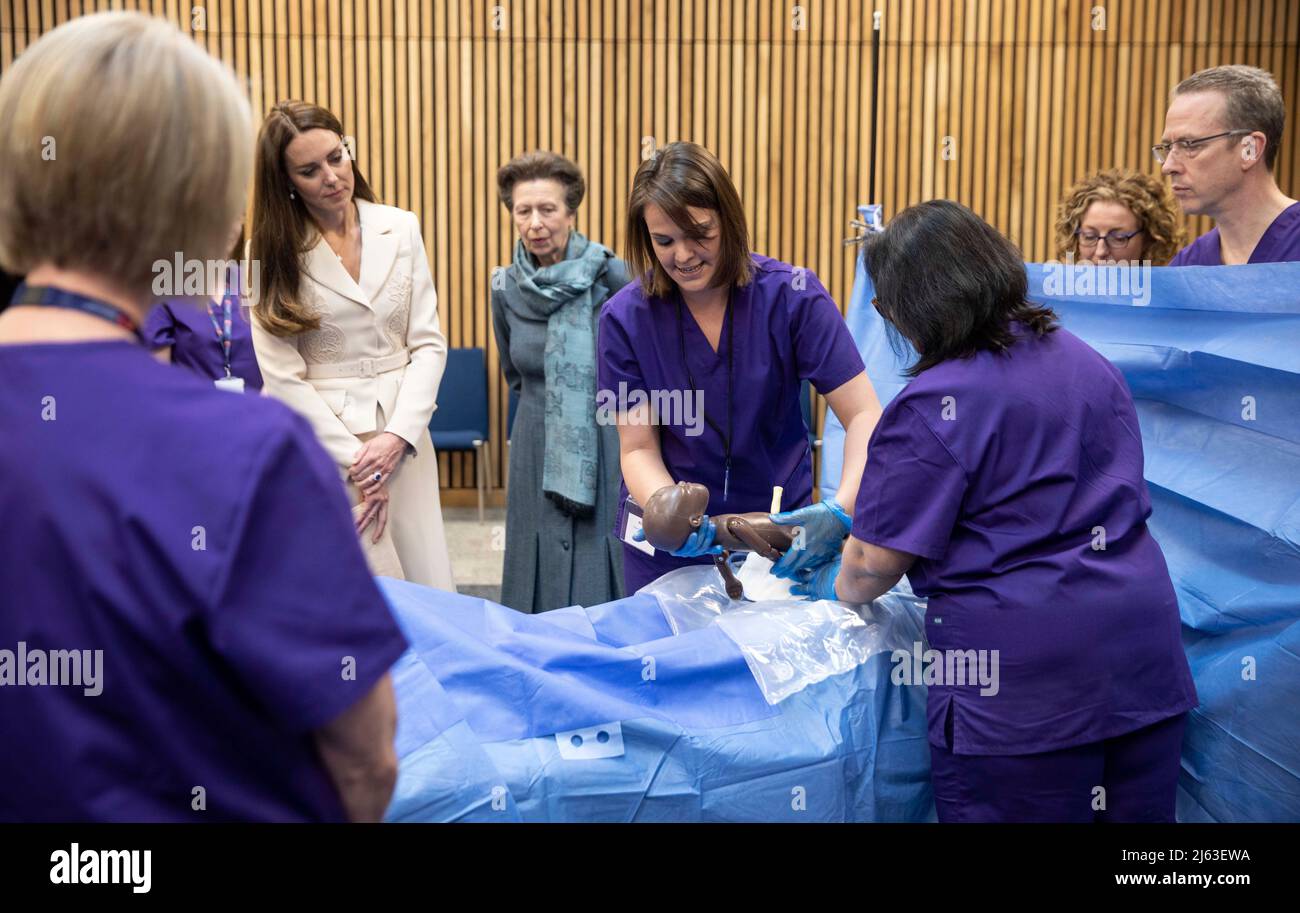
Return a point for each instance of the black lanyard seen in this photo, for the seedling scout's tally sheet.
(731, 350)
(49, 296)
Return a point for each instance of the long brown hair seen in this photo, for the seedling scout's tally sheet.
(283, 229)
(678, 176)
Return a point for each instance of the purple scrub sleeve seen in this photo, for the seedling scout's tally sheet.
(187, 329)
(1280, 243)
(786, 329)
(824, 351)
(1016, 479)
(618, 360)
(905, 456)
(201, 545)
(296, 610)
(159, 328)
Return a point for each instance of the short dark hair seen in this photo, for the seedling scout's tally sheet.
(1252, 101)
(950, 284)
(675, 178)
(542, 165)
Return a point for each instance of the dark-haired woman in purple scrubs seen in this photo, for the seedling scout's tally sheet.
(1006, 481)
(213, 341)
(730, 334)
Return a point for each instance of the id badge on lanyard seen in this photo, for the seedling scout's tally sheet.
(223, 328)
(632, 515)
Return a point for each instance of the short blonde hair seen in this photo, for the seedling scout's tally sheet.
(1148, 198)
(124, 144)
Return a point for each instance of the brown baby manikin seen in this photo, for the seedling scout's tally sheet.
(675, 511)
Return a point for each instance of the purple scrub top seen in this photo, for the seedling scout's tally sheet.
(187, 328)
(787, 329)
(1002, 473)
(1279, 244)
(204, 543)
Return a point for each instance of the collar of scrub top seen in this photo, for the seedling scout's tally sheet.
(49, 296)
(379, 243)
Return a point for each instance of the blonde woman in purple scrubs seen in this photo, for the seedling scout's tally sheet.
(191, 548)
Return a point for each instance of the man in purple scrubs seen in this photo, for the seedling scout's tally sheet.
(1219, 149)
(743, 330)
(1006, 481)
(189, 629)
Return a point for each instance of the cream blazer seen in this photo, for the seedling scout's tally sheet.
(393, 308)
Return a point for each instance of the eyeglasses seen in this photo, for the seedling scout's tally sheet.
(1113, 239)
(1189, 148)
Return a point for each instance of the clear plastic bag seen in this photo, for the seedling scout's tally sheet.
(790, 644)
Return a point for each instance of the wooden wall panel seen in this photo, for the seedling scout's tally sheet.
(1027, 96)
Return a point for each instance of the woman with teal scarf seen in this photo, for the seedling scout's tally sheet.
(564, 466)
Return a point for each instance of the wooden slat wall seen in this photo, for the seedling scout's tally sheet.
(1030, 93)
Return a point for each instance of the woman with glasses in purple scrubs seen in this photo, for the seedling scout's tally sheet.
(703, 356)
(1118, 217)
(189, 554)
(1006, 481)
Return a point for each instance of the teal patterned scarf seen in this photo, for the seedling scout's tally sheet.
(561, 295)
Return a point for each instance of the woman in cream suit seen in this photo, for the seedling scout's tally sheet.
(346, 332)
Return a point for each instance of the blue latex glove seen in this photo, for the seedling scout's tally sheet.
(818, 583)
(825, 526)
(699, 542)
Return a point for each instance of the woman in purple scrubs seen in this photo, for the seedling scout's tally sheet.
(190, 632)
(215, 341)
(704, 355)
(1006, 481)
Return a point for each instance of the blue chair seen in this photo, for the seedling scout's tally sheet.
(460, 423)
